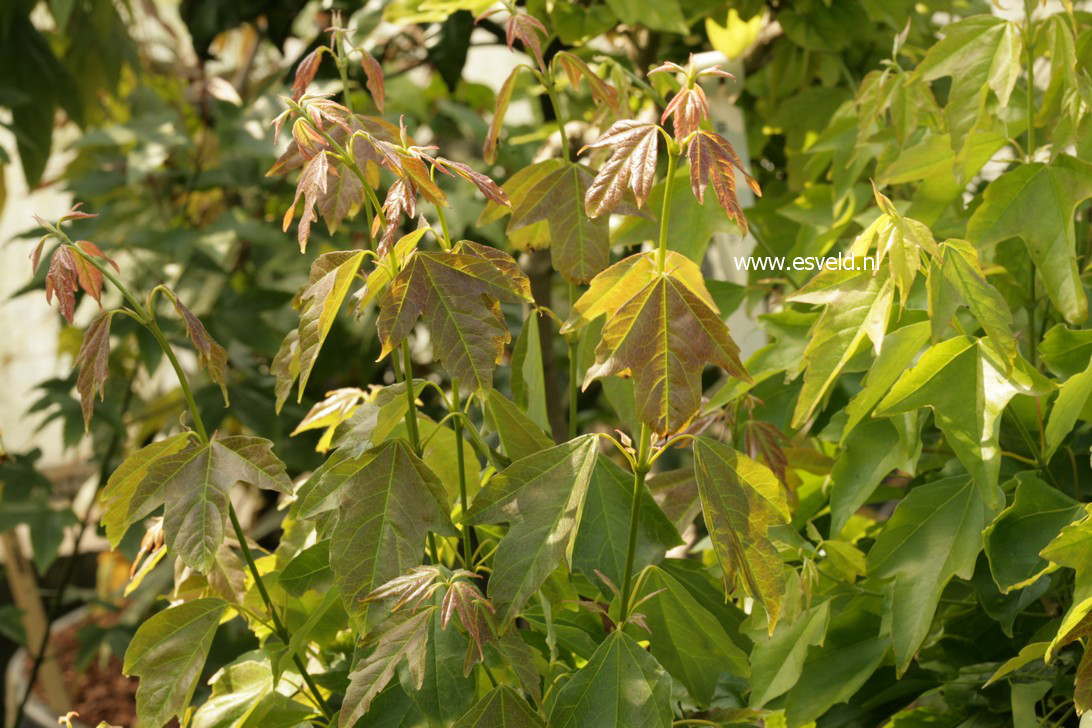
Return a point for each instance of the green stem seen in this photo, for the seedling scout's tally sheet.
(457, 424)
(446, 242)
(411, 400)
(202, 434)
(342, 70)
(574, 357)
(665, 212)
(1029, 43)
(559, 117)
(278, 626)
(639, 473)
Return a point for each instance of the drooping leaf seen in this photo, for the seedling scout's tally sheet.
(93, 360)
(964, 382)
(981, 53)
(1015, 538)
(69, 272)
(342, 197)
(1066, 351)
(632, 164)
(444, 691)
(638, 688)
(741, 500)
(210, 355)
(285, 367)
(541, 498)
(576, 70)
(528, 375)
(401, 638)
(504, 97)
(311, 184)
(374, 73)
(485, 184)
(857, 305)
(934, 534)
(331, 276)
(194, 484)
(168, 653)
(127, 497)
(662, 328)
(502, 707)
(602, 539)
(1036, 202)
(305, 72)
(453, 292)
(388, 501)
(329, 413)
(714, 161)
(1067, 409)
(685, 638)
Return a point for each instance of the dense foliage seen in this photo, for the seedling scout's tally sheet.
(879, 517)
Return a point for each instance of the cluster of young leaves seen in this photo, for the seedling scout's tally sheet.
(507, 577)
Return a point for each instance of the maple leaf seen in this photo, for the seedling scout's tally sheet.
(525, 28)
(484, 183)
(93, 360)
(400, 203)
(305, 72)
(69, 271)
(500, 109)
(900, 240)
(311, 184)
(210, 355)
(662, 328)
(713, 160)
(320, 300)
(576, 69)
(456, 292)
(632, 164)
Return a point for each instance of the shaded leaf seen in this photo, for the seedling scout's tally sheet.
(501, 707)
(168, 653)
(519, 436)
(210, 355)
(1067, 409)
(541, 498)
(741, 500)
(777, 660)
(311, 184)
(93, 359)
(309, 569)
(961, 280)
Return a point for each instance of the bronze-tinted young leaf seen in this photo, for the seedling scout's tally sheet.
(540, 497)
(331, 276)
(526, 28)
(401, 639)
(127, 497)
(713, 160)
(389, 500)
(661, 329)
(575, 68)
(374, 73)
(194, 486)
(93, 360)
(579, 245)
(285, 367)
(741, 499)
(632, 165)
(305, 72)
(210, 355)
(400, 203)
(452, 292)
(311, 184)
(504, 97)
(488, 187)
(343, 195)
(690, 108)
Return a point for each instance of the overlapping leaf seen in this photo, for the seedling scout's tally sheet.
(331, 276)
(960, 279)
(632, 164)
(456, 293)
(714, 161)
(541, 498)
(741, 500)
(501, 707)
(128, 496)
(389, 500)
(662, 329)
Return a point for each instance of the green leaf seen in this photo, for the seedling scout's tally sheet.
(856, 306)
(965, 383)
(1037, 202)
(519, 435)
(981, 53)
(243, 696)
(960, 280)
(850, 653)
(665, 16)
(309, 569)
(934, 534)
(375, 419)
(621, 686)
(741, 500)
(777, 659)
(1028, 654)
(1015, 538)
(685, 638)
(528, 377)
(331, 276)
(456, 292)
(401, 638)
(662, 329)
(1071, 549)
(541, 498)
(1067, 409)
(388, 500)
(868, 456)
(194, 484)
(603, 535)
(502, 707)
(899, 349)
(444, 692)
(1066, 351)
(168, 653)
(128, 497)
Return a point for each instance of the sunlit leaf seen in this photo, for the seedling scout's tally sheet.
(127, 496)
(331, 276)
(632, 165)
(502, 707)
(714, 161)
